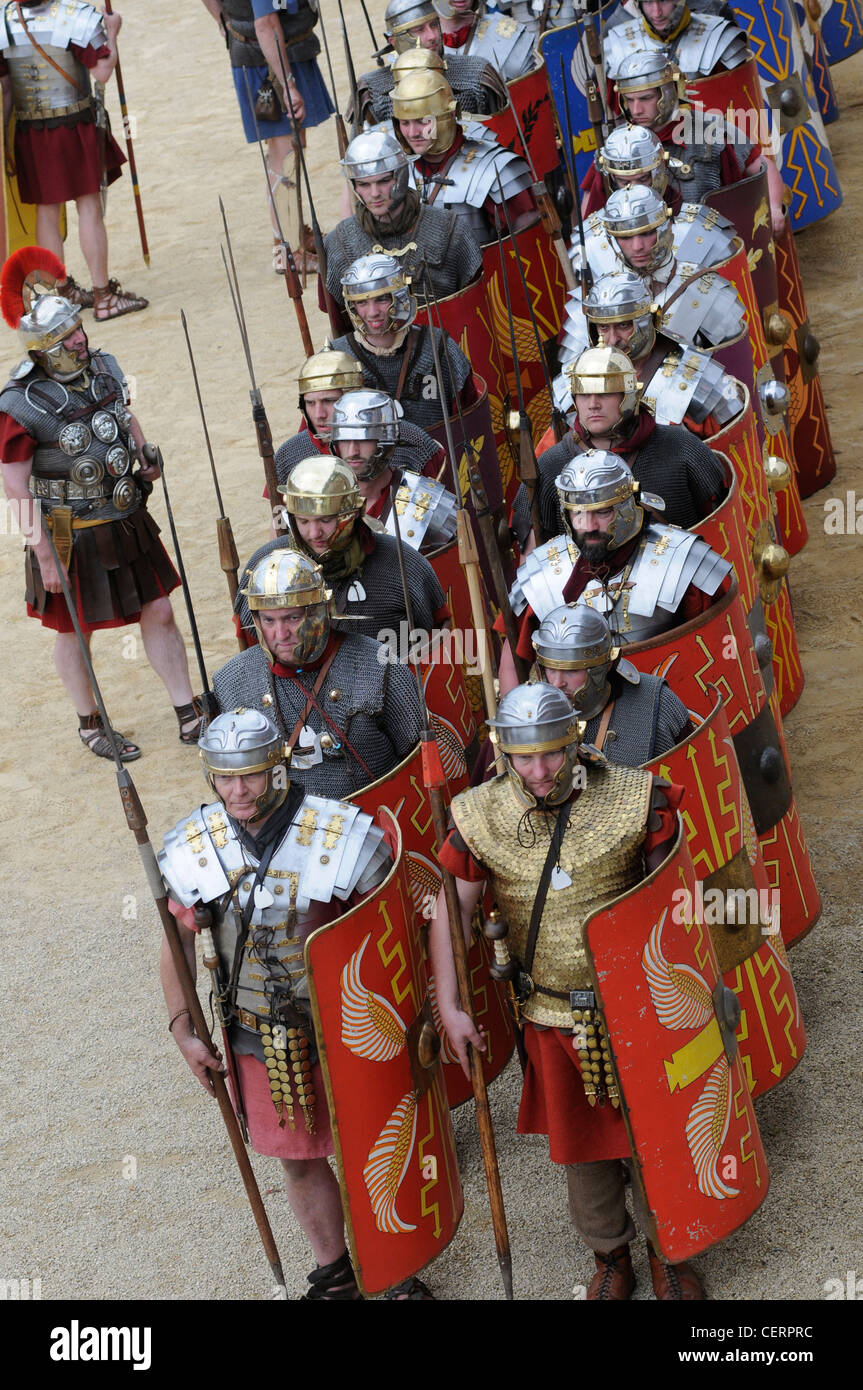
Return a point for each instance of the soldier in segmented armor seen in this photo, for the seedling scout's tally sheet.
(247, 873)
(680, 386)
(412, 26)
(75, 462)
(324, 512)
(454, 170)
(63, 148)
(508, 46)
(390, 217)
(630, 716)
(555, 837)
(395, 353)
(643, 576)
(349, 717)
(610, 415)
(365, 424)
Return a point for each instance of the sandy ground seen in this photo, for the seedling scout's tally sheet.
(117, 1181)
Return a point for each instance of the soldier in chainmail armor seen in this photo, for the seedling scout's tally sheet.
(74, 460)
(248, 874)
(394, 352)
(478, 87)
(349, 714)
(556, 836)
(666, 459)
(390, 217)
(324, 509)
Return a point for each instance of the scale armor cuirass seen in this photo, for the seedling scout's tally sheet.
(646, 721)
(452, 256)
(373, 702)
(329, 850)
(418, 400)
(39, 91)
(672, 462)
(601, 853)
(297, 28)
(371, 599)
(84, 462)
(475, 85)
(707, 43)
(472, 177)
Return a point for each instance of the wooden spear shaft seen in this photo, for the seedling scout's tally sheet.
(133, 169)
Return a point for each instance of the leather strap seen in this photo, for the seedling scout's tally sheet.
(295, 732)
(411, 342)
(544, 880)
(48, 59)
(603, 725)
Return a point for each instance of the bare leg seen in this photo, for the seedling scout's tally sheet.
(166, 653)
(73, 673)
(279, 148)
(93, 237)
(313, 1193)
(48, 228)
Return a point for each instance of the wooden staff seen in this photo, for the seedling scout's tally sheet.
(133, 170)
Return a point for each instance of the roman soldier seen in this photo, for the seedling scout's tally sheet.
(248, 870)
(324, 511)
(324, 377)
(395, 353)
(413, 24)
(349, 716)
(554, 837)
(680, 386)
(501, 41)
(630, 716)
(696, 41)
(364, 427)
(631, 154)
(63, 149)
(453, 169)
(390, 217)
(74, 461)
(610, 415)
(643, 576)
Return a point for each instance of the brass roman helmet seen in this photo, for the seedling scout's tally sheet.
(328, 370)
(323, 487)
(606, 371)
(288, 579)
(425, 95)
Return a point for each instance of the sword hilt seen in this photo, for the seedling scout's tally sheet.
(496, 930)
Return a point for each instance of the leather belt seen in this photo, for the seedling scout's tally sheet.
(250, 1020)
(62, 490)
(253, 39)
(50, 113)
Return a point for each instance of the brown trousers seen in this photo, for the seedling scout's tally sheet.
(597, 1204)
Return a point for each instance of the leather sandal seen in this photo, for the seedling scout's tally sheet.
(92, 734)
(111, 302)
(614, 1279)
(334, 1283)
(410, 1290)
(674, 1283)
(193, 715)
(75, 293)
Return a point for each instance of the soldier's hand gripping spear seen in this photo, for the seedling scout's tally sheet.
(289, 270)
(259, 414)
(137, 823)
(228, 557)
(434, 782)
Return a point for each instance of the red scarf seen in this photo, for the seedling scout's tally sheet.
(583, 572)
(428, 169)
(459, 37)
(626, 444)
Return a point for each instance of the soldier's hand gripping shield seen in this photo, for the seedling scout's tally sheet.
(379, 1053)
(670, 1025)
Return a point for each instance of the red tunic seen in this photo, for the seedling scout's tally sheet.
(64, 163)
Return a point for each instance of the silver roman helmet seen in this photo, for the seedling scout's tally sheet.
(374, 275)
(401, 16)
(375, 152)
(44, 328)
(242, 742)
(286, 579)
(647, 71)
(633, 154)
(606, 371)
(537, 719)
(576, 638)
(621, 296)
(635, 210)
(600, 481)
(368, 415)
